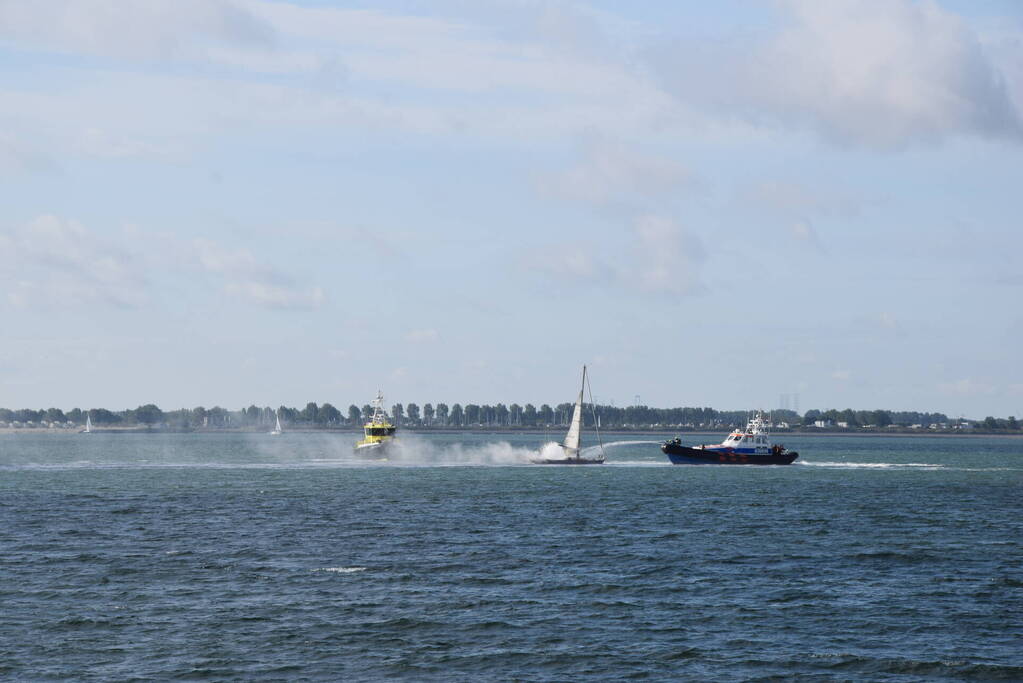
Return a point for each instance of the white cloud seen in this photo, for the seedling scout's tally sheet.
(661, 258)
(276, 295)
(474, 52)
(966, 387)
(56, 262)
(667, 257)
(612, 172)
(248, 279)
(803, 231)
(99, 143)
(147, 29)
(388, 243)
(17, 156)
(882, 74)
(419, 52)
(422, 336)
(887, 320)
(338, 68)
(569, 261)
(1004, 44)
(797, 198)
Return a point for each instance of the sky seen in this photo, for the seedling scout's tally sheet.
(735, 204)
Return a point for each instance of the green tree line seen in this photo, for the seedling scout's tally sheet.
(472, 415)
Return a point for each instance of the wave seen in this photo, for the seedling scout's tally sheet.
(871, 465)
(341, 570)
(920, 466)
(414, 452)
(956, 668)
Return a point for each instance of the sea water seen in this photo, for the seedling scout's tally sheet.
(250, 557)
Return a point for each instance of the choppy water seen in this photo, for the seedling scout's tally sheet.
(249, 557)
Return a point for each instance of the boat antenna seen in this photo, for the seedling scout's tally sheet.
(593, 412)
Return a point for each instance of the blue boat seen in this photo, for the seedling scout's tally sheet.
(749, 447)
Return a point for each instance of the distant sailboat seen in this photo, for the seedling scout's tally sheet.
(88, 425)
(570, 450)
(277, 431)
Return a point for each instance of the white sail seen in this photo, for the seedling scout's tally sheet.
(277, 427)
(88, 424)
(571, 443)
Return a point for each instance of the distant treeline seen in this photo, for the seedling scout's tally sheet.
(471, 415)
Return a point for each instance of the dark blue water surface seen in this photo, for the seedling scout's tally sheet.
(250, 557)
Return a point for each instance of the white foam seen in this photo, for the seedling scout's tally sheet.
(341, 570)
(871, 465)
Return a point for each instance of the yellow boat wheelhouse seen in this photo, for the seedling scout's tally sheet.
(379, 431)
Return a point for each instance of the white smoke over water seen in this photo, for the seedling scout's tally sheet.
(337, 450)
(552, 450)
(413, 451)
(409, 450)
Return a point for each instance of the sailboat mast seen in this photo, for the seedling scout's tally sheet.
(571, 444)
(578, 413)
(596, 418)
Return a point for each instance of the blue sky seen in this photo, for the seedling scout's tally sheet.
(236, 201)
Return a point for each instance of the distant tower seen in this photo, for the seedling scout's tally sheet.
(638, 400)
(795, 403)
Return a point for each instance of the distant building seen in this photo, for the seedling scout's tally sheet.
(822, 424)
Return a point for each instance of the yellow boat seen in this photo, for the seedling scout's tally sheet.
(378, 432)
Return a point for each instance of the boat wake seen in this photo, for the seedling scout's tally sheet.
(872, 465)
